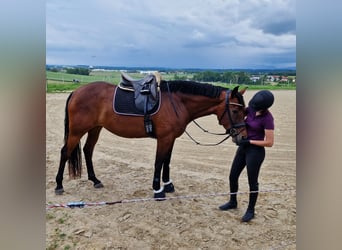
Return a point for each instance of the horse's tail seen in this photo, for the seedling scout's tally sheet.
(75, 159)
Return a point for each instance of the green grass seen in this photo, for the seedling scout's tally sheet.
(63, 82)
(61, 77)
(53, 87)
(257, 87)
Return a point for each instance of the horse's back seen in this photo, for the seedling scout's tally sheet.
(94, 89)
(93, 92)
(91, 106)
(92, 101)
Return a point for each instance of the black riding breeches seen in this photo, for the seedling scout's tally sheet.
(251, 156)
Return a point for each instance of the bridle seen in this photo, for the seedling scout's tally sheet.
(233, 130)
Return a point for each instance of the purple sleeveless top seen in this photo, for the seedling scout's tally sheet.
(256, 125)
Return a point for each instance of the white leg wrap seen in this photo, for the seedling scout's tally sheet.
(167, 183)
(159, 191)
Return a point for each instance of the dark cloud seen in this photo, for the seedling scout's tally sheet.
(226, 34)
(280, 27)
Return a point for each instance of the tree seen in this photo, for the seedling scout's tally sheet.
(227, 77)
(243, 78)
(78, 71)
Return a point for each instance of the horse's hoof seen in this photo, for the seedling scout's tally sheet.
(98, 185)
(159, 195)
(59, 191)
(169, 188)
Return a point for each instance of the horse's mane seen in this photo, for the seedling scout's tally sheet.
(191, 87)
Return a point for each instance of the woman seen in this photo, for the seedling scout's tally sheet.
(251, 151)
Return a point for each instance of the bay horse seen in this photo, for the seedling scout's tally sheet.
(90, 108)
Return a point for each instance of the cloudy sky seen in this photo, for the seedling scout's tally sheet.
(224, 34)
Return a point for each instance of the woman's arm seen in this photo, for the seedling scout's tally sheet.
(268, 140)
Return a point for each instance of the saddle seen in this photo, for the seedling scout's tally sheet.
(146, 95)
(146, 90)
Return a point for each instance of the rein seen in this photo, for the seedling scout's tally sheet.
(207, 131)
(207, 144)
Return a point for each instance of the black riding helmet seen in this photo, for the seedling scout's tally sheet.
(262, 100)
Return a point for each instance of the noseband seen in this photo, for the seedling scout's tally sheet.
(233, 130)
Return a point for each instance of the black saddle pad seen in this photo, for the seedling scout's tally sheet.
(123, 103)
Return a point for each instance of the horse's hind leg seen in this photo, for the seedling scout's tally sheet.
(88, 150)
(66, 152)
(59, 177)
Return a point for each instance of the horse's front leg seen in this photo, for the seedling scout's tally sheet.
(168, 186)
(157, 190)
(164, 149)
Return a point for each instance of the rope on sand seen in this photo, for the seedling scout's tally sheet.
(81, 204)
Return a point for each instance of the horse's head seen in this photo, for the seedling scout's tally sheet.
(233, 112)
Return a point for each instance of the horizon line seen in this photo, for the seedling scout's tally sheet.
(172, 68)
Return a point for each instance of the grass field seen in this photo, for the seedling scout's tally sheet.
(63, 82)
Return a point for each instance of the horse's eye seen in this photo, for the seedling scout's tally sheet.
(235, 112)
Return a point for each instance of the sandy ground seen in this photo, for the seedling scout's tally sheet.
(125, 167)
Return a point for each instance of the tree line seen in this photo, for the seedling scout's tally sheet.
(241, 77)
(76, 71)
(226, 77)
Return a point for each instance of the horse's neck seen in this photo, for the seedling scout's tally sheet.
(200, 106)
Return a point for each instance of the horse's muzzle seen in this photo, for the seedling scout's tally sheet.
(235, 130)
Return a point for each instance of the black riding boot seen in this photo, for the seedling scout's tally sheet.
(232, 203)
(250, 210)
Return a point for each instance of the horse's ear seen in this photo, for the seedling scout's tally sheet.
(234, 91)
(242, 91)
